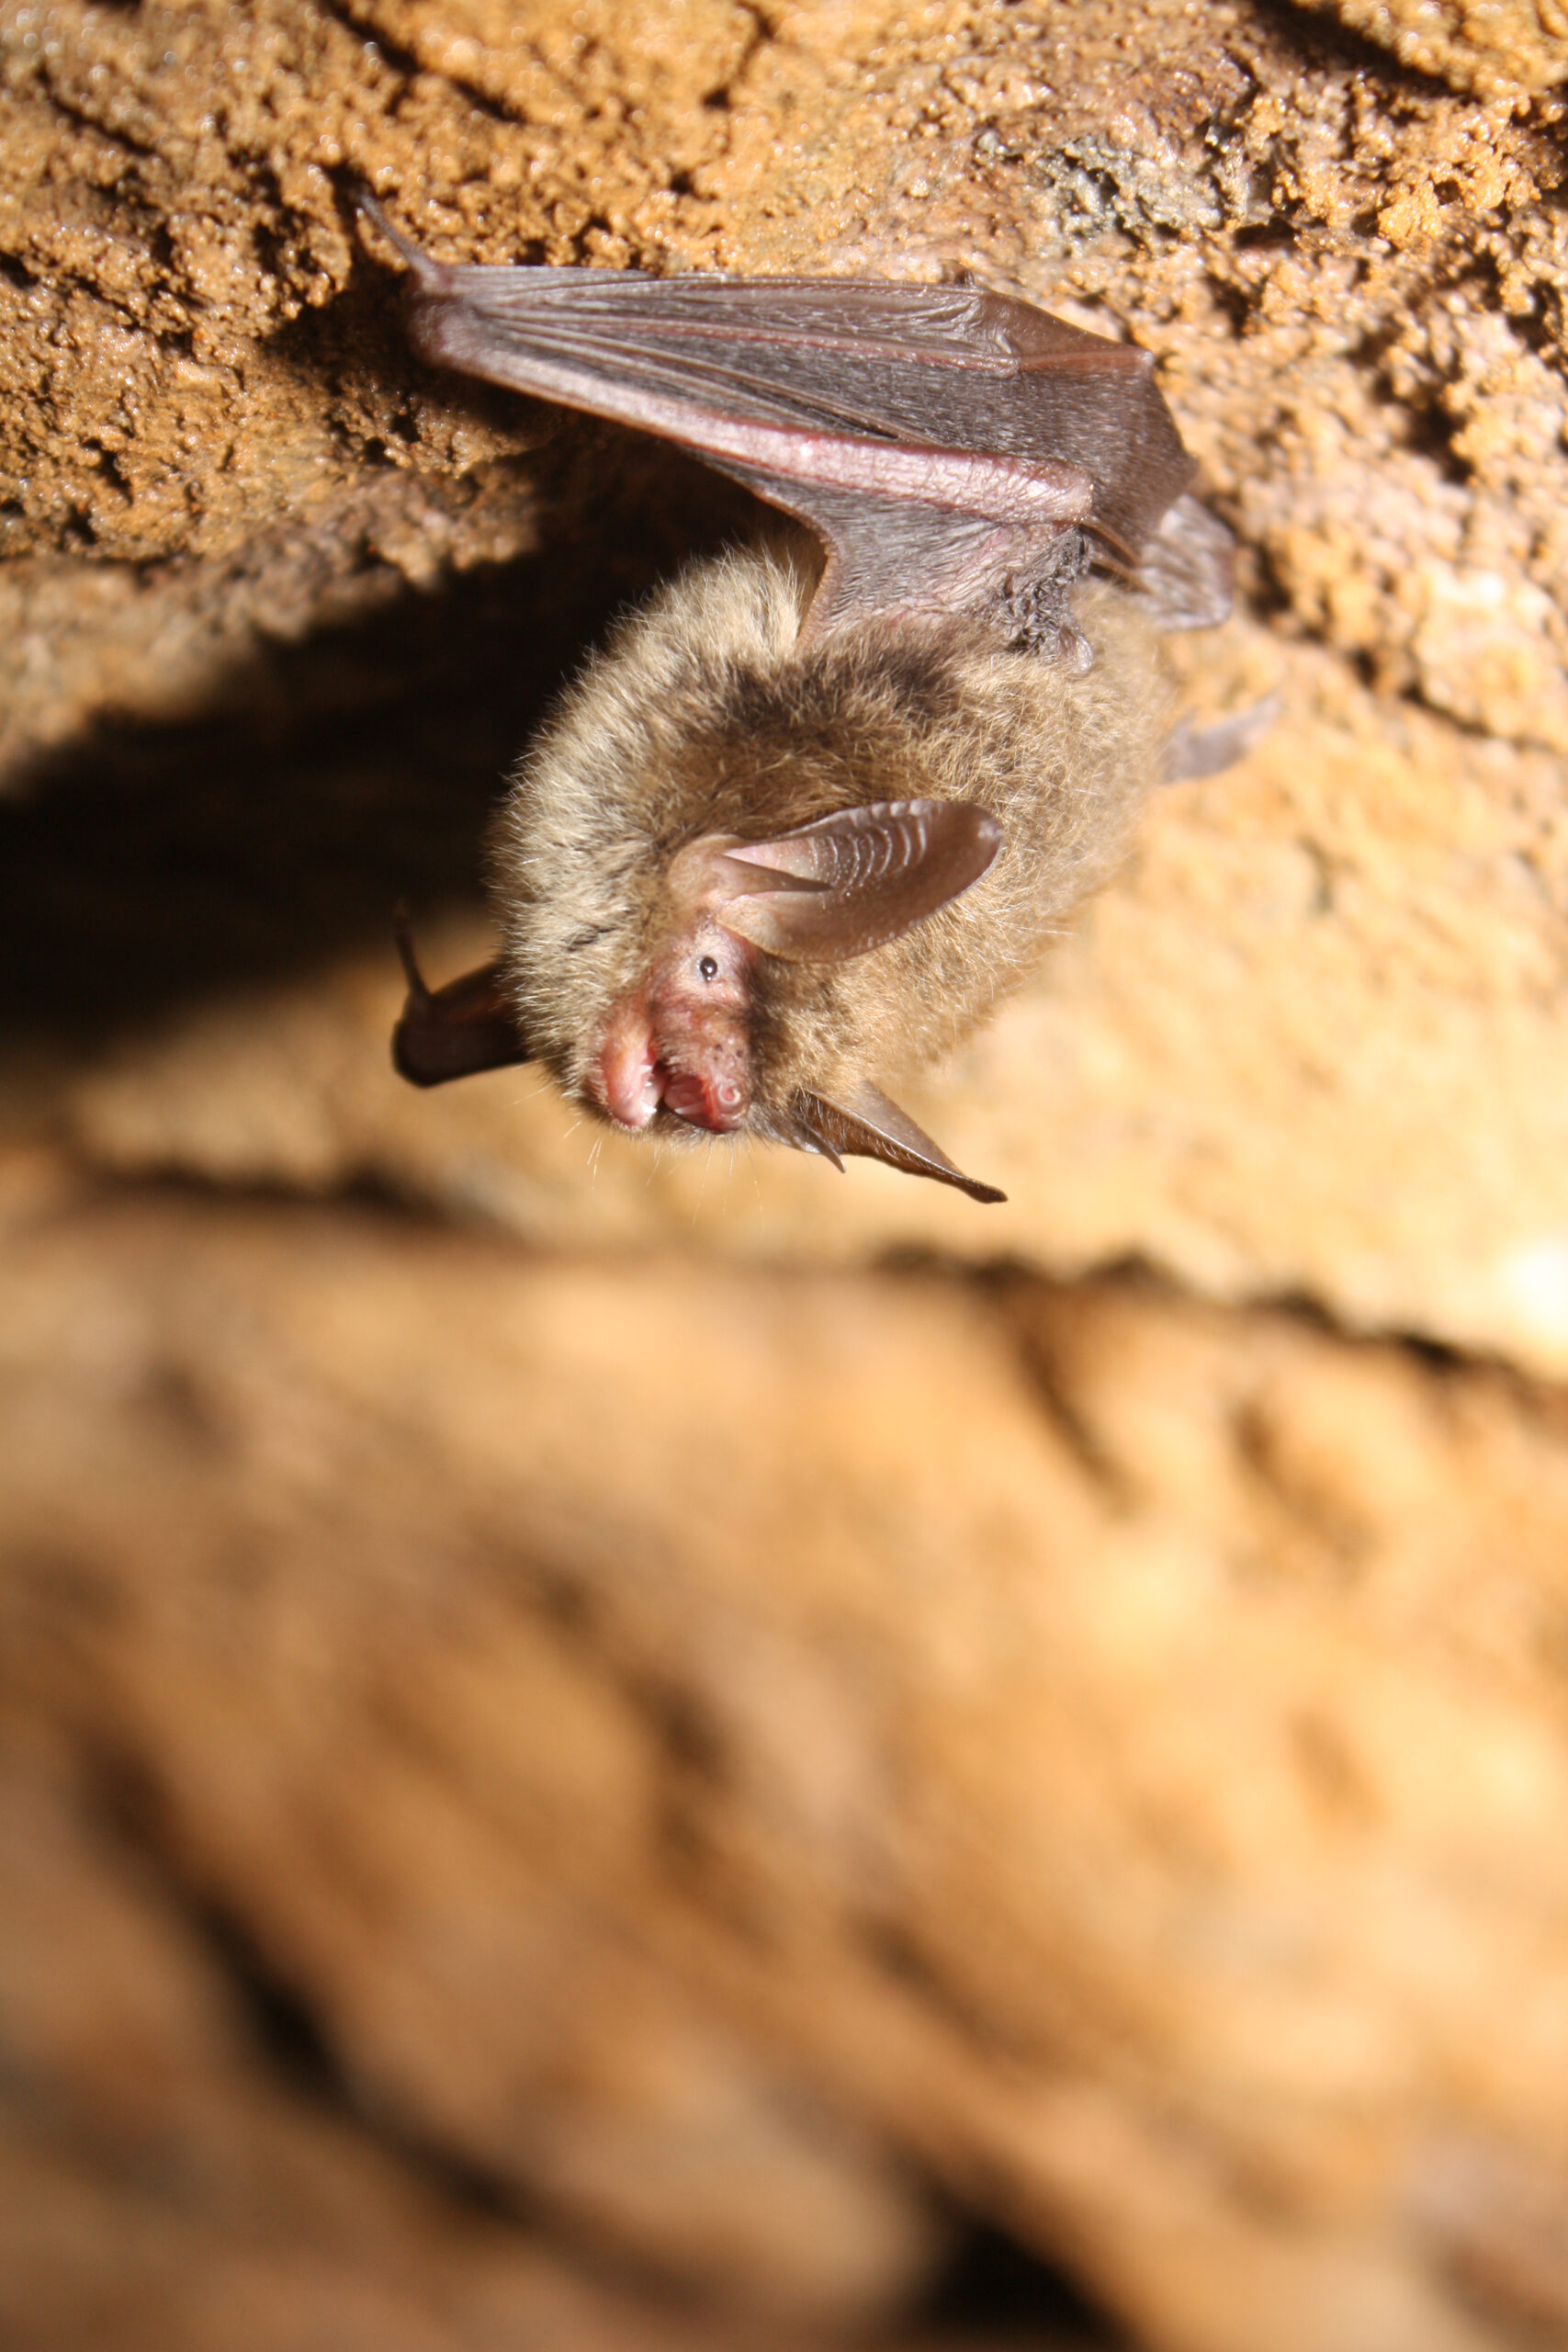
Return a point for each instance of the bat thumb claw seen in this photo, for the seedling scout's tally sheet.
(420, 263)
(402, 935)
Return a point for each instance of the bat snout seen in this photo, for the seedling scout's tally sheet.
(703, 1047)
(670, 1057)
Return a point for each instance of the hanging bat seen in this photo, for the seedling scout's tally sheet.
(822, 803)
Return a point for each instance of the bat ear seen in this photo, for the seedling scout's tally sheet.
(851, 882)
(1184, 571)
(454, 1030)
(859, 1122)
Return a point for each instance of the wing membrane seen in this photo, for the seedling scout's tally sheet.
(1014, 427)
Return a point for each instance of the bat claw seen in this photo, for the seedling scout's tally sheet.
(424, 269)
(403, 936)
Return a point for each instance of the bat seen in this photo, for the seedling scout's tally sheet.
(817, 806)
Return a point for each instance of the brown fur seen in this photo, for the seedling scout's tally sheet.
(703, 718)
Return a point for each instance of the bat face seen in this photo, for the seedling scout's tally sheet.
(685, 1038)
(742, 930)
(810, 816)
(711, 927)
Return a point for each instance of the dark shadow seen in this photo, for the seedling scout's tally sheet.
(994, 2287)
(1319, 38)
(152, 864)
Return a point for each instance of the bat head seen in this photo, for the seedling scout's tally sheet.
(717, 918)
(684, 1037)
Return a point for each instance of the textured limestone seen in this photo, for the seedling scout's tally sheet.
(1493, 48)
(1354, 284)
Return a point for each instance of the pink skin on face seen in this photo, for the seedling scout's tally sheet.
(683, 1040)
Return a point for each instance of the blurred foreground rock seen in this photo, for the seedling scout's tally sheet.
(161, 2190)
(726, 1754)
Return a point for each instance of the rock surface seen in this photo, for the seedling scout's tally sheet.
(712, 1750)
(160, 2188)
(630, 1778)
(1313, 1041)
(1310, 1044)
(1492, 47)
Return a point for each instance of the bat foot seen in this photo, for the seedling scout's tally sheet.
(1195, 750)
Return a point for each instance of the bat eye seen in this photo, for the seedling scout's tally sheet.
(708, 967)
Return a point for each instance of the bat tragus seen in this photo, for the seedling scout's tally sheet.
(823, 802)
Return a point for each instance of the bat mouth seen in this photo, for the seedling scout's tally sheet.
(717, 1103)
(632, 1082)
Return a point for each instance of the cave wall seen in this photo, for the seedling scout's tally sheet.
(588, 1728)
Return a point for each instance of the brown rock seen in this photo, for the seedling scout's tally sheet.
(707, 1746)
(1313, 1041)
(1492, 46)
(162, 2186)
(1339, 277)
(741, 1761)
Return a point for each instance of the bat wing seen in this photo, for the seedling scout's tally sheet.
(940, 441)
(454, 1030)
